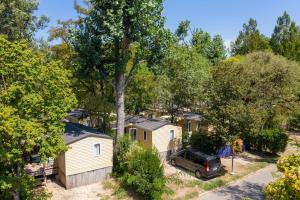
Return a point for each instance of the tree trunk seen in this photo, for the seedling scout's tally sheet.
(120, 89)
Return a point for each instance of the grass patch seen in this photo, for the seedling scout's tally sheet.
(194, 183)
(174, 179)
(213, 184)
(118, 192)
(109, 185)
(191, 195)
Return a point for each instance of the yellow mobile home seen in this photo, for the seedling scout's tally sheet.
(161, 134)
(89, 157)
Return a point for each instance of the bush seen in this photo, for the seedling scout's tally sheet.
(121, 149)
(209, 143)
(144, 172)
(287, 187)
(272, 140)
(294, 122)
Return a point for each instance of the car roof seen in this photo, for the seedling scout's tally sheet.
(201, 154)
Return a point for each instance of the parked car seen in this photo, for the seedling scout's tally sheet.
(201, 164)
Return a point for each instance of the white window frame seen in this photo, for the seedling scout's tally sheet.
(94, 149)
(174, 134)
(145, 135)
(131, 131)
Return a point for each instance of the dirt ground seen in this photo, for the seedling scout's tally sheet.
(89, 192)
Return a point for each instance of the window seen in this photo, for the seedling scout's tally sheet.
(97, 149)
(188, 155)
(199, 126)
(134, 134)
(189, 126)
(182, 154)
(145, 135)
(172, 134)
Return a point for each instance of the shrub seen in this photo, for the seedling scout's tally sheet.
(121, 149)
(287, 187)
(144, 172)
(205, 142)
(294, 122)
(272, 140)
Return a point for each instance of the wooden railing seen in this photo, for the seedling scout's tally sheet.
(41, 170)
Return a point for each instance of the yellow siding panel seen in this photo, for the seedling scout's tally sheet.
(81, 156)
(140, 136)
(161, 138)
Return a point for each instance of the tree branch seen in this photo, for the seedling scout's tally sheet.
(131, 73)
(105, 76)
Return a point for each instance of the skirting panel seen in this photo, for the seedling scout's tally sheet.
(87, 178)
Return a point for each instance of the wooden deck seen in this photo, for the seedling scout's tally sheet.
(41, 170)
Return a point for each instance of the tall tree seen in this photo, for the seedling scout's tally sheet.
(183, 78)
(285, 39)
(183, 30)
(211, 48)
(17, 18)
(141, 92)
(115, 38)
(249, 40)
(35, 96)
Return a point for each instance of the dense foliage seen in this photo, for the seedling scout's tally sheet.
(209, 47)
(35, 95)
(288, 186)
(209, 143)
(139, 168)
(272, 140)
(285, 39)
(249, 40)
(122, 147)
(144, 172)
(253, 93)
(17, 19)
(183, 78)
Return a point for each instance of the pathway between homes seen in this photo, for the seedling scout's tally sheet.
(248, 187)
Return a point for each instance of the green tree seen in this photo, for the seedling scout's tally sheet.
(183, 79)
(211, 48)
(285, 39)
(35, 96)
(249, 40)
(17, 19)
(253, 93)
(141, 91)
(115, 38)
(183, 30)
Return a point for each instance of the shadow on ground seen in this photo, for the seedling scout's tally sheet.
(247, 190)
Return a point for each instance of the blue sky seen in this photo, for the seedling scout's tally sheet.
(224, 17)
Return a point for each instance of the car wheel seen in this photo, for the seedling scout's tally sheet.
(198, 174)
(173, 162)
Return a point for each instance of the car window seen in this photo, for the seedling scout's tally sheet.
(197, 159)
(188, 155)
(214, 162)
(181, 154)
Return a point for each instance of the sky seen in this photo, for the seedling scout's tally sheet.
(224, 17)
